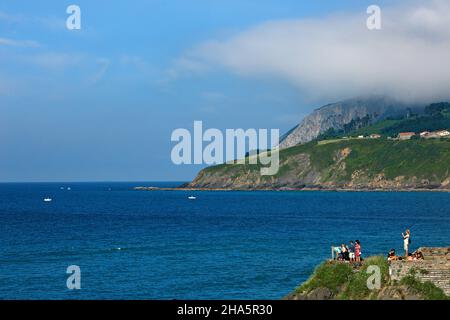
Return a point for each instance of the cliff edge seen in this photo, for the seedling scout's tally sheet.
(427, 279)
(356, 164)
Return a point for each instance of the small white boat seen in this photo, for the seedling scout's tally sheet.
(69, 188)
(48, 199)
(192, 198)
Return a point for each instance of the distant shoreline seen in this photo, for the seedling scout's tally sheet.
(142, 188)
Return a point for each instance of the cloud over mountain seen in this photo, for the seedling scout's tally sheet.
(336, 56)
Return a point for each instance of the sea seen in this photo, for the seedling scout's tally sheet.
(131, 244)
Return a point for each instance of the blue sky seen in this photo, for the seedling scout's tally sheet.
(100, 103)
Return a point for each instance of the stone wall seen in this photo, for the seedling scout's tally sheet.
(435, 268)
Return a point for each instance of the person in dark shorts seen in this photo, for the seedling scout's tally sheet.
(351, 251)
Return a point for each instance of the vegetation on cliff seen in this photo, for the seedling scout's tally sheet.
(336, 161)
(353, 164)
(436, 116)
(343, 281)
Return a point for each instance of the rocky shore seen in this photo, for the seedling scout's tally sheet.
(354, 165)
(187, 188)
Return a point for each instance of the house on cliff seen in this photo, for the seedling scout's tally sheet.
(406, 135)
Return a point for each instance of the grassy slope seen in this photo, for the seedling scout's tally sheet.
(423, 159)
(418, 124)
(347, 284)
(343, 281)
(378, 127)
(413, 158)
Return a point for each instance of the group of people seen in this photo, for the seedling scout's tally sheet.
(416, 255)
(352, 252)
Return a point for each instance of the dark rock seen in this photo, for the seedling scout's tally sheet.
(320, 294)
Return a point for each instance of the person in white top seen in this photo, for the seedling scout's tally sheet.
(406, 241)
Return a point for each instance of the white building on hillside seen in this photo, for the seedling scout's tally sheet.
(443, 133)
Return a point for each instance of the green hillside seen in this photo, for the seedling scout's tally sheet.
(343, 162)
(354, 164)
(435, 117)
(413, 158)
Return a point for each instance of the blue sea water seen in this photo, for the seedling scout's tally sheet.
(223, 245)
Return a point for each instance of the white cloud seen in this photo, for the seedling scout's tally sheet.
(135, 61)
(181, 66)
(18, 43)
(54, 60)
(48, 22)
(10, 18)
(338, 57)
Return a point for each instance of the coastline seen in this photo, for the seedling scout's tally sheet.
(150, 188)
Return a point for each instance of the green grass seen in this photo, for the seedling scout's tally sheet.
(357, 285)
(418, 124)
(378, 127)
(412, 159)
(328, 275)
(347, 284)
(426, 289)
(323, 142)
(343, 281)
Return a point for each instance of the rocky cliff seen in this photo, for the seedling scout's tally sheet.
(336, 115)
(357, 164)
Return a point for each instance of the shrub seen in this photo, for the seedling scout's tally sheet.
(328, 275)
(357, 286)
(426, 289)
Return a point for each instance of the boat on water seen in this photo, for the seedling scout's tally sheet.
(48, 199)
(192, 198)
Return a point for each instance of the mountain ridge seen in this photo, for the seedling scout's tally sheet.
(336, 115)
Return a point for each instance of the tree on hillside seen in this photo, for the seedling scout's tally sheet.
(437, 108)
